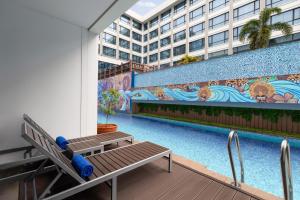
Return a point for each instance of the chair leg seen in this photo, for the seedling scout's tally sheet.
(114, 188)
(170, 162)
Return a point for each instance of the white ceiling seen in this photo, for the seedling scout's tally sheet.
(81, 12)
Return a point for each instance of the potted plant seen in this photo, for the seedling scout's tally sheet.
(108, 104)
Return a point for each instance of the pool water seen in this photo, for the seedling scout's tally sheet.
(209, 148)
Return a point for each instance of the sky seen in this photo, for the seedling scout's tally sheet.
(142, 7)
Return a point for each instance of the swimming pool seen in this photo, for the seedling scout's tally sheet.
(208, 146)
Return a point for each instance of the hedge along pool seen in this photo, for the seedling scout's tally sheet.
(208, 146)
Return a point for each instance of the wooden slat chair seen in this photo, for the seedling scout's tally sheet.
(107, 166)
(83, 145)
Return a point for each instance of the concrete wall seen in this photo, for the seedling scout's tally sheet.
(278, 60)
(48, 69)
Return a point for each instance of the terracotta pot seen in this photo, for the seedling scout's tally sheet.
(106, 128)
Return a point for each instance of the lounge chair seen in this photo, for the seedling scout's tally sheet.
(82, 145)
(107, 166)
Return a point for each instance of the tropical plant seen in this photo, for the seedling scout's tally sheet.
(189, 59)
(258, 31)
(108, 102)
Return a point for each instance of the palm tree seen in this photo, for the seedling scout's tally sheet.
(189, 59)
(258, 31)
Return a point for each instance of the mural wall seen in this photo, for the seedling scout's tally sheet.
(122, 83)
(271, 89)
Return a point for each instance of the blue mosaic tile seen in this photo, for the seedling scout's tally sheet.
(278, 60)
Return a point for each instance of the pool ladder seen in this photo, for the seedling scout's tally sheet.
(286, 171)
(233, 135)
(285, 163)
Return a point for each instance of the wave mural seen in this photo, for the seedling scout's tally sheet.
(274, 89)
(122, 83)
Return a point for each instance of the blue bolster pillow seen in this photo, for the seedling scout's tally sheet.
(82, 166)
(62, 142)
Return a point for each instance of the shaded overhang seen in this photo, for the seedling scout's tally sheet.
(94, 15)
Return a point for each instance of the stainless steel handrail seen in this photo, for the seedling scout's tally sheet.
(286, 171)
(233, 134)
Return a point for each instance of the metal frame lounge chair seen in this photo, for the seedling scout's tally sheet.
(107, 166)
(82, 145)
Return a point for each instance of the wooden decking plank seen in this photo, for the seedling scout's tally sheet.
(210, 192)
(178, 192)
(241, 196)
(226, 193)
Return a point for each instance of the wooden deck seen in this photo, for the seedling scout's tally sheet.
(152, 181)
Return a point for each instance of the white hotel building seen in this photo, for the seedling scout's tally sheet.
(204, 28)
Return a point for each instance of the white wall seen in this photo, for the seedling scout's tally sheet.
(48, 69)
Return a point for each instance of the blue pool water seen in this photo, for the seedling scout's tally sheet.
(209, 147)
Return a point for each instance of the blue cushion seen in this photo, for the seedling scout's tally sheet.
(62, 142)
(82, 166)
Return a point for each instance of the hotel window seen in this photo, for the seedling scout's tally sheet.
(145, 37)
(276, 3)
(136, 48)
(165, 54)
(153, 34)
(197, 13)
(292, 17)
(176, 63)
(179, 21)
(236, 32)
(123, 55)
(113, 27)
(218, 54)
(145, 60)
(217, 4)
(179, 50)
(165, 28)
(137, 25)
(179, 7)
(146, 26)
(192, 2)
(108, 38)
(179, 36)
(219, 38)
(153, 58)
(124, 43)
(136, 59)
(153, 22)
(196, 45)
(241, 49)
(165, 15)
(197, 29)
(109, 51)
(136, 36)
(153, 46)
(164, 66)
(218, 21)
(124, 31)
(145, 49)
(125, 19)
(246, 10)
(165, 41)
